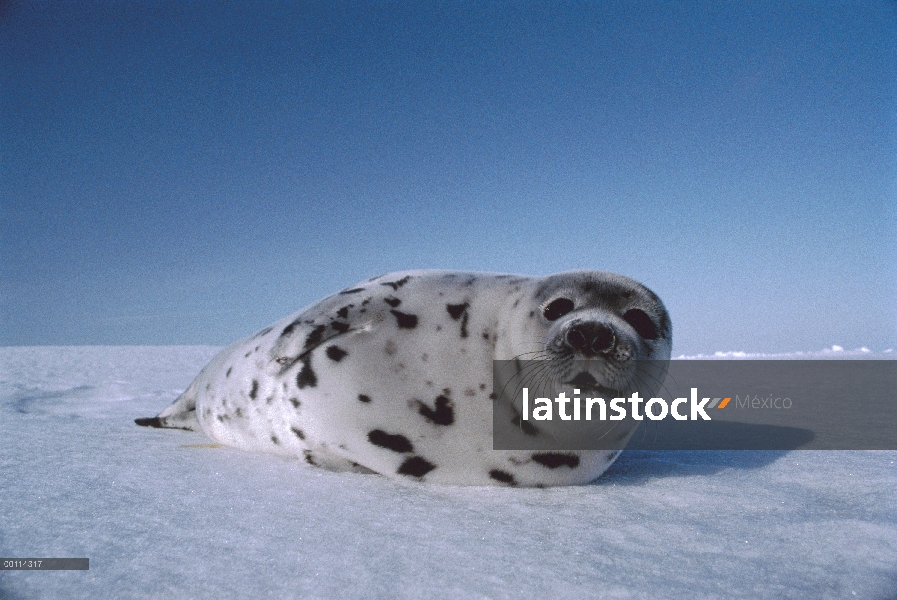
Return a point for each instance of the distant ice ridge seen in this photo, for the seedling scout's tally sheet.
(835, 352)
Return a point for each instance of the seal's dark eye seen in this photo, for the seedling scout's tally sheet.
(642, 323)
(557, 308)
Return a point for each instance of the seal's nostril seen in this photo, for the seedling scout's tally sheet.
(576, 339)
(603, 341)
(591, 338)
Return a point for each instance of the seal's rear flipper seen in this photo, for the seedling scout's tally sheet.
(181, 414)
(181, 421)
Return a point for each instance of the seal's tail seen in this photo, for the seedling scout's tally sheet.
(181, 414)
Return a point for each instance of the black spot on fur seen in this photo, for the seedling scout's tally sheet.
(340, 326)
(295, 402)
(335, 353)
(314, 338)
(364, 397)
(456, 310)
(149, 422)
(275, 440)
(395, 442)
(397, 284)
(416, 467)
(253, 393)
(525, 426)
(459, 311)
(352, 291)
(310, 458)
(306, 377)
(227, 373)
(405, 321)
(553, 460)
(344, 311)
(393, 302)
(238, 412)
(502, 476)
(298, 433)
(444, 413)
(288, 330)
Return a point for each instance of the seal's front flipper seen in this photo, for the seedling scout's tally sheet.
(179, 415)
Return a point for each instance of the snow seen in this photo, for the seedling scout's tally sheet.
(167, 514)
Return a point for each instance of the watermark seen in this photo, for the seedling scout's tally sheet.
(770, 402)
(655, 409)
(695, 405)
(44, 564)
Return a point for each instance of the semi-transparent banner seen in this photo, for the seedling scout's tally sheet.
(695, 405)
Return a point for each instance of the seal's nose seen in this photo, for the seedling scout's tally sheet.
(591, 338)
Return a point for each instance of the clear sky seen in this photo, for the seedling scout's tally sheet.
(188, 172)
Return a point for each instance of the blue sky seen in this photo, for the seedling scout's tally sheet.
(186, 173)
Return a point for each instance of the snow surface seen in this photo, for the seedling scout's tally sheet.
(166, 514)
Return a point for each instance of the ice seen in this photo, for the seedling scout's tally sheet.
(168, 514)
(834, 353)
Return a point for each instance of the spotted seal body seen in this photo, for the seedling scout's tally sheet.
(394, 375)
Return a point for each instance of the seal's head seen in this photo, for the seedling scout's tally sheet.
(599, 326)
